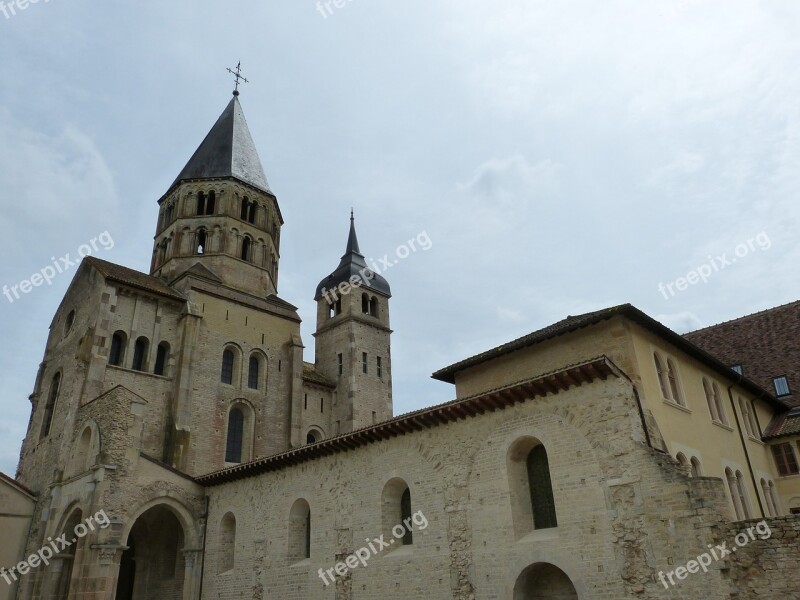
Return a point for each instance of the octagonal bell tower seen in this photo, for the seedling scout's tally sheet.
(220, 213)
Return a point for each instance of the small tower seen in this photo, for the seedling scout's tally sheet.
(220, 213)
(352, 339)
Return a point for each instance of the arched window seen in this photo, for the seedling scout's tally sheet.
(682, 460)
(767, 499)
(719, 406)
(70, 320)
(49, 407)
(139, 354)
(373, 306)
(743, 499)
(542, 502)
(405, 517)
(774, 499)
(202, 240)
(662, 376)
(674, 385)
(227, 543)
(201, 203)
(396, 513)
(246, 245)
(734, 492)
(210, 203)
(117, 351)
(697, 471)
(299, 531)
(170, 213)
(712, 405)
(365, 304)
(162, 354)
(227, 366)
(252, 373)
(245, 208)
(235, 439)
(251, 213)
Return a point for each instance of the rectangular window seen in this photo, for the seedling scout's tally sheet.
(785, 459)
(341, 363)
(738, 369)
(364, 362)
(380, 367)
(781, 386)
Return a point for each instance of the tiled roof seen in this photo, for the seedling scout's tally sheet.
(766, 344)
(784, 424)
(132, 278)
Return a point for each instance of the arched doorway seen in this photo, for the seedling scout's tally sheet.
(154, 564)
(543, 581)
(65, 563)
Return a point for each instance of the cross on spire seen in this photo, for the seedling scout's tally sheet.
(237, 74)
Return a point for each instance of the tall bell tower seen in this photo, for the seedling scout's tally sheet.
(220, 213)
(352, 339)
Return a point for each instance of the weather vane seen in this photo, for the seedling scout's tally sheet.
(238, 76)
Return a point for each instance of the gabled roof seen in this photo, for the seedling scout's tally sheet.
(16, 484)
(132, 278)
(353, 265)
(766, 344)
(227, 151)
(784, 425)
(628, 311)
(550, 383)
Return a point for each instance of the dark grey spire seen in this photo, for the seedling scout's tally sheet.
(353, 264)
(227, 151)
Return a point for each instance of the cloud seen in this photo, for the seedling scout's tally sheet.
(514, 179)
(680, 322)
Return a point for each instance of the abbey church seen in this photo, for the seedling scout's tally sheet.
(183, 447)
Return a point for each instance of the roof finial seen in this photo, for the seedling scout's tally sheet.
(351, 214)
(237, 75)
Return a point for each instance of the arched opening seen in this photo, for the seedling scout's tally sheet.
(201, 203)
(697, 470)
(396, 512)
(373, 306)
(210, 203)
(227, 543)
(365, 304)
(154, 565)
(65, 566)
(530, 487)
(245, 208)
(117, 352)
(247, 243)
(235, 438)
(228, 359)
(682, 460)
(49, 408)
(251, 213)
(253, 372)
(162, 354)
(202, 241)
(674, 385)
(662, 375)
(299, 531)
(140, 354)
(543, 581)
(313, 436)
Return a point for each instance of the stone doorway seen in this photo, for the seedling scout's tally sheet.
(154, 564)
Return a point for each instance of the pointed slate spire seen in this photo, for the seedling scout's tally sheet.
(227, 151)
(352, 240)
(353, 265)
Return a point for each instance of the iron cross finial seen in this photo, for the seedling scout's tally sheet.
(237, 74)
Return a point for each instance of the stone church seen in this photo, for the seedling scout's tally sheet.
(180, 447)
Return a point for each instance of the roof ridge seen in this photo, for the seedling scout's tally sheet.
(743, 317)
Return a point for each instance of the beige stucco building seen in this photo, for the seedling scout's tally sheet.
(187, 450)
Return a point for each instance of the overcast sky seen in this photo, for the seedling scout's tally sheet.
(561, 156)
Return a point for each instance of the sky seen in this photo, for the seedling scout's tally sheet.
(560, 157)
